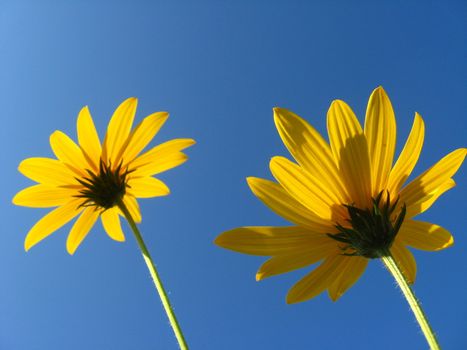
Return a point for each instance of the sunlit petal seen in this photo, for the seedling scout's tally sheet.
(425, 202)
(270, 240)
(47, 171)
(425, 236)
(66, 150)
(428, 182)
(288, 262)
(317, 281)
(81, 228)
(146, 187)
(380, 132)
(278, 200)
(305, 188)
(161, 158)
(118, 130)
(111, 223)
(133, 207)
(43, 196)
(52, 222)
(354, 268)
(408, 157)
(350, 150)
(142, 135)
(311, 151)
(88, 138)
(404, 260)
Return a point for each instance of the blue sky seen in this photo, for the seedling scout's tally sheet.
(219, 68)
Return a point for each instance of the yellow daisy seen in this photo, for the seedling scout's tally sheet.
(89, 180)
(345, 199)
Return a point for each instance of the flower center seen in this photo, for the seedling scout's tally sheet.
(104, 189)
(372, 231)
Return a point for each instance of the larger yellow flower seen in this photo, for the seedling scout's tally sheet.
(90, 179)
(346, 199)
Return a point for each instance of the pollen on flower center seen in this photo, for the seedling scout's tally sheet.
(105, 188)
(372, 231)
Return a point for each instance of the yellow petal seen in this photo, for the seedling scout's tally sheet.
(317, 281)
(408, 157)
(52, 222)
(350, 274)
(305, 188)
(268, 240)
(43, 196)
(428, 182)
(161, 158)
(118, 130)
(146, 187)
(404, 260)
(289, 262)
(81, 228)
(47, 171)
(427, 201)
(380, 132)
(88, 138)
(68, 152)
(350, 150)
(111, 224)
(278, 200)
(424, 236)
(132, 205)
(311, 151)
(143, 134)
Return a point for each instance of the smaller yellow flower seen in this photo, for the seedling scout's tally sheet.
(90, 179)
(345, 199)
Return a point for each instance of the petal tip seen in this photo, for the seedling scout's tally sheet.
(450, 242)
(224, 240)
(28, 244)
(261, 275)
(218, 240)
(70, 248)
(191, 142)
(250, 180)
(14, 200)
(334, 296)
(131, 99)
(291, 299)
(380, 89)
(279, 111)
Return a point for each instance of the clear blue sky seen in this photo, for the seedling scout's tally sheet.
(219, 68)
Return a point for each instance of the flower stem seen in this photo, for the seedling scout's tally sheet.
(401, 280)
(156, 278)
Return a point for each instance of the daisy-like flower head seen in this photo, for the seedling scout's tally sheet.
(345, 199)
(89, 179)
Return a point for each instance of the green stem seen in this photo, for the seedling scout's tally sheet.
(156, 278)
(396, 272)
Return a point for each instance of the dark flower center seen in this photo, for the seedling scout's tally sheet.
(372, 231)
(104, 189)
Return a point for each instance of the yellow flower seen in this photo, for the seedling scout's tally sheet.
(90, 179)
(345, 199)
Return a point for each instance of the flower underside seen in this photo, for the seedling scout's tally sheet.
(372, 231)
(104, 189)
